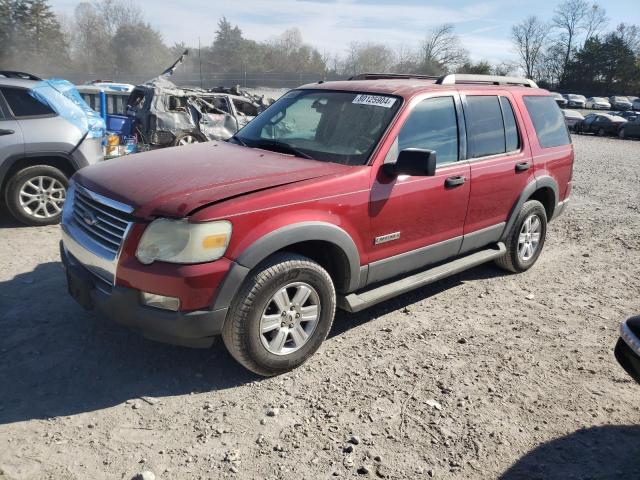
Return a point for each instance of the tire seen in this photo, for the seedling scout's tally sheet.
(187, 138)
(254, 309)
(34, 195)
(622, 134)
(601, 132)
(513, 260)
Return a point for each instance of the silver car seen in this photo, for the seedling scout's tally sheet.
(46, 135)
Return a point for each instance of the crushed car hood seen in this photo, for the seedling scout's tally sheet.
(173, 182)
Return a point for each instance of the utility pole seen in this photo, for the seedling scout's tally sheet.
(200, 62)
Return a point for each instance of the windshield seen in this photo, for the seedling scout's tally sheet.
(340, 127)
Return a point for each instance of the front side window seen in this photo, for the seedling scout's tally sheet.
(547, 120)
(23, 104)
(432, 125)
(485, 126)
(333, 126)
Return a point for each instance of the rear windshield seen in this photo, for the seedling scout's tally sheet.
(547, 120)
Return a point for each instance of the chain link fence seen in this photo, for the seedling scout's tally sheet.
(210, 80)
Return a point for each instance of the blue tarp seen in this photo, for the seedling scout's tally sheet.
(65, 100)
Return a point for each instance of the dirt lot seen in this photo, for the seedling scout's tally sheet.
(484, 375)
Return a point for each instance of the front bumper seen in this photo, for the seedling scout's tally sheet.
(627, 349)
(122, 304)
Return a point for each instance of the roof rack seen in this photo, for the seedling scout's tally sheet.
(391, 76)
(456, 78)
(22, 75)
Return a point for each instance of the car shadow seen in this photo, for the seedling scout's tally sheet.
(57, 359)
(7, 221)
(345, 321)
(603, 453)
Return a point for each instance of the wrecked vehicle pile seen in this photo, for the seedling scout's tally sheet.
(165, 114)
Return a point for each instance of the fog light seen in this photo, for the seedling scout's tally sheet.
(160, 301)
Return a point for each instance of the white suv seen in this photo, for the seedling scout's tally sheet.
(46, 134)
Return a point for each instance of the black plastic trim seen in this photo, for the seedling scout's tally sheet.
(481, 238)
(301, 232)
(413, 260)
(122, 305)
(530, 189)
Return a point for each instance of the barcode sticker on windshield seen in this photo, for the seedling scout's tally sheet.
(377, 100)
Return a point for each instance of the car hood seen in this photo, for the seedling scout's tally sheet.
(175, 181)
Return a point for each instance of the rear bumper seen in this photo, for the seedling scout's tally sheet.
(627, 349)
(122, 305)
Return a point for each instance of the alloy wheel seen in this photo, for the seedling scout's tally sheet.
(42, 197)
(290, 318)
(529, 237)
(188, 140)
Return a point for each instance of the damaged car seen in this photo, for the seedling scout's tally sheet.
(166, 115)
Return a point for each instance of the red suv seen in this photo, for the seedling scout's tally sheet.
(339, 194)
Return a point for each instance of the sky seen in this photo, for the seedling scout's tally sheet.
(330, 25)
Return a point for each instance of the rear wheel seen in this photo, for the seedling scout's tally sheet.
(526, 239)
(622, 134)
(601, 132)
(35, 195)
(186, 139)
(281, 315)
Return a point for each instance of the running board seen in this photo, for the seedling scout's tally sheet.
(354, 302)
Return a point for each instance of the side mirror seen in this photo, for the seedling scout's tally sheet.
(413, 161)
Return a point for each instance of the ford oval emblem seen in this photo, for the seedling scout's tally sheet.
(89, 218)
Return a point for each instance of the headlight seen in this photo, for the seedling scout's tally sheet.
(178, 241)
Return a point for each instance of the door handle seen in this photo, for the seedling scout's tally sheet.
(6, 132)
(521, 167)
(454, 181)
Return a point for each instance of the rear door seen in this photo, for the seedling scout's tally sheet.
(11, 141)
(501, 165)
(418, 220)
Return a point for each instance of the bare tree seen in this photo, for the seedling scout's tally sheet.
(406, 59)
(630, 34)
(368, 57)
(442, 51)
(529, 38)
(595, 22)
(574, 18)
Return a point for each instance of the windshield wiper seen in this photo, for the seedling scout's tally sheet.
(239, 140)
(281, 147)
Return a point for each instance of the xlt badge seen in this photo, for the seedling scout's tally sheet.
(386, 238)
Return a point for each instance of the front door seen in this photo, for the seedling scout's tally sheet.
(419, 220)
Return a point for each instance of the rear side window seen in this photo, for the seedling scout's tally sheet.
(22, 104)
(510, 126)
(547, 120)
(485, 126)
(432, 125)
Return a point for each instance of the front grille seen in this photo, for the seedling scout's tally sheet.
(103, 224)
(102, 221)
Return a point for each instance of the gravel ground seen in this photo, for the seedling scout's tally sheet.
(484, 375)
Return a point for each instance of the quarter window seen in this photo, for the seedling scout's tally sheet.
(23, 104)
(485, 126)
(432, 125)
(547, 120)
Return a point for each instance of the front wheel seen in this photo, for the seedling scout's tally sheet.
(35, 195)
(281, 315)
(526, 239)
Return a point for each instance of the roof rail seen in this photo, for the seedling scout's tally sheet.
(22, 75)
(455, 78)
(391, 76)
